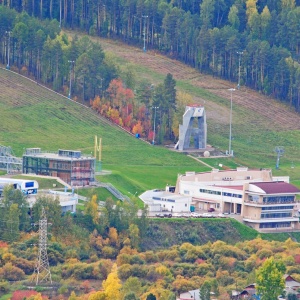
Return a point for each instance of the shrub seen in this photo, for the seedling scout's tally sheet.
(63, 289)
(4, 286)
(136, 259)
(8, 257)
(104, 267)
(24, 264)
(203, 269)
(224, 278)
(150, 257)
(264, 253)
(10, 272)
(84, 272)
(109, 252)
(20, 295)
(55, 257)
(124, 272)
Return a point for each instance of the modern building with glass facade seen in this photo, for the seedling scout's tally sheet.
(68, 165)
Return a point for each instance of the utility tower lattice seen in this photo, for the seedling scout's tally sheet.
(42, 270)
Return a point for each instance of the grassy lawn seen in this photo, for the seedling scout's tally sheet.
(101, 193)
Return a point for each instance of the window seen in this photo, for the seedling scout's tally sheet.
(278, 199)
(29, 184)
(205, 191)
(276, 215)
(275, 225)
(254, 198)
(278, 207)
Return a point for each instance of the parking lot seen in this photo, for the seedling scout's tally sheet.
(198, 214)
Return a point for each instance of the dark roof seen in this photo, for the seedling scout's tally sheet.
(276, 187)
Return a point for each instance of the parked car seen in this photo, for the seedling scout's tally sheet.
(159, 215)
(177, 215)
(167, 215)
(195, 215)
(186, 215)
(211, 209)
(207, 215)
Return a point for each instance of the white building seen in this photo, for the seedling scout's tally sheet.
(262, 201)
(159, 200)
(68, 201)
(29, 188)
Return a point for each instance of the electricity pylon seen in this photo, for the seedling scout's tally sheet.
(42, 270)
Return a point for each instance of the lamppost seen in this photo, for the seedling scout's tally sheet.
(60, 13)
(101, 87)
(155, 108)
(230, 121)
(71, 68)
(239, 81)
(8, 49)
(144, 32)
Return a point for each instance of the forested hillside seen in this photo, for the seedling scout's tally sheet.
(116, 255)
(252, 42)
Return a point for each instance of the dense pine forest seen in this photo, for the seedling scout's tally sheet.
(255, 43)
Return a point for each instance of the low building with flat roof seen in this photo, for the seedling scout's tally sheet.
(26, 186)
(160, 200)
(67, 200)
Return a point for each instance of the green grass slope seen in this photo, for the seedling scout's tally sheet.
(259, 123)
(33, 116)
(163, 233)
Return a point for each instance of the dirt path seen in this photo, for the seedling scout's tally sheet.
(200, 161)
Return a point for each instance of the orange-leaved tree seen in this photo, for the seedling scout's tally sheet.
(137, 128)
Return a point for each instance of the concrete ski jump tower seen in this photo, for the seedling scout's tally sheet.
(193, 131)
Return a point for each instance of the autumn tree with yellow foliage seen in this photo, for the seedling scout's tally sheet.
(91, 209)
(182, 100)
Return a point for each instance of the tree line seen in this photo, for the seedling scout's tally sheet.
(37, 49)
(149, 113)
(251, 42)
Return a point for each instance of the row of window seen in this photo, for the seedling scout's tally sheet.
(278, 199)
(163, 199)
(61, 166)
(205, 191)
(275, 225)
(209, 192)
(276, 215)
(278, 207)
